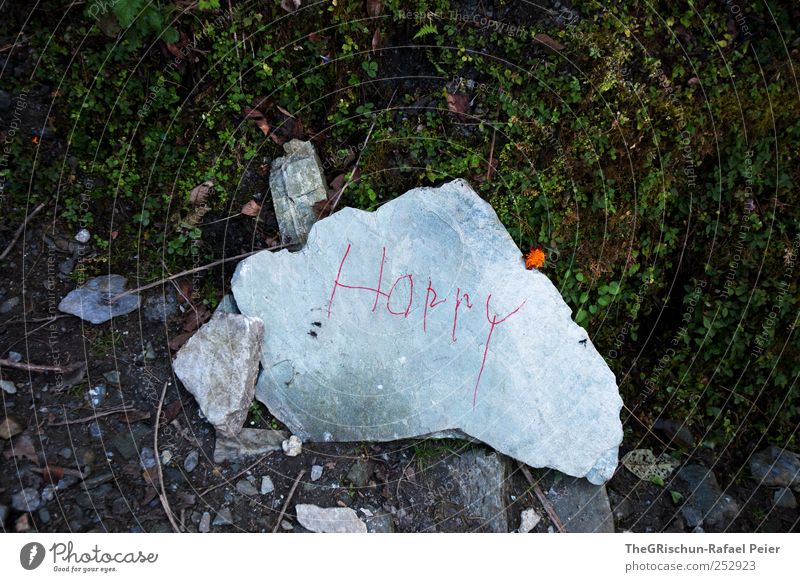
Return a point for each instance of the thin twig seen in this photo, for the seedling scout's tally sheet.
(162, 494)
(288, 499)
(35, 320)
(125, 408)
(491, 156)
(195, 270)
(239, 474)
(40, 368)
(548, 507)
(338, 196)
(21, 228)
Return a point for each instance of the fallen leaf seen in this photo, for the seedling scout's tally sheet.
(285, 112)
(457, 103)
(374, 8)
(258, 117)
(200, 193)
(376, 40)
(549, 41)
(252, 208)
(290, 5)
(316, 37)
(196, 317)
(21, 448)
(644, 464)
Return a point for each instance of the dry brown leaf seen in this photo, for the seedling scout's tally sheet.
(374, 8)
(22, 448)
(457, 103)
(549, 41)
(258, 117)
(196, 317)
(252, 208)
(285, 112)
(376, 40)
(200, 193)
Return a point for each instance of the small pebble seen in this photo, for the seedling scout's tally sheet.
(205, 523)
(292, 446)
(65, 453)
(267, 486)
(112, 377)
(9, 427)
(146, 458)
(191, 461)
(94, 430)
(285, 525)
(166, 456)
(83, 236)
(14, 357)
(246, 488)
(316, 472)
(224, 517)
(97, 395)
(44, 515)
(9, 304)
(26, 500)
(8, 386)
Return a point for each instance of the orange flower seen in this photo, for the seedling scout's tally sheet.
(35, 140)
(535, 258)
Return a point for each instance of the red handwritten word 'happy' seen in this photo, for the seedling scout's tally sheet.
(462, 301)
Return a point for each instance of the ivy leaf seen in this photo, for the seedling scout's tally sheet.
(644, 464)
(126, 11)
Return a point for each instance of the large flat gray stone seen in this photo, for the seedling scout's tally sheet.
(457, 335)
(218, 365)
(96, 301)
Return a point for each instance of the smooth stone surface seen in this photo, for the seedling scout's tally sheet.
(706, 503)
(297, 182)
(347, 364)
(246, 488)
(8, 387)
(776, 467)
(582, 506)
(248, 443)
(191, 461)
(92, 301)
(784, 498)
(267, 486)
(218, 365)
(329, 519)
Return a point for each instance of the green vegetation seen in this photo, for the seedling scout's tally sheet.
(653, 155)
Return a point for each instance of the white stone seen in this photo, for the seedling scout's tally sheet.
(316, 472)
(529, 519)
(329, 519)
(267, 486)
(8, 386)
(83, 236)
(218, 365)
(493, 354)
(292, 446)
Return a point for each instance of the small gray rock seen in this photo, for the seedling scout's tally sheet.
(582, 506)
(112, 377)
(245, 487)
(44, 515)
(224, 517)
(66, 266)
(292, 446)
(14, 357)
(316, 472)
(95, 301)
(9, 304)
(267, 486)
(83, 236)
(359, 473)
(776, 467)
(191, 461)
(250, 442)
(8, 386)
(329, 519)
(784, 498)
(205, 523)
(219, 365)
(65, 453)
(26, 500)
(297, 182)
(705, 500)
(528, 520)
(160, 307)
